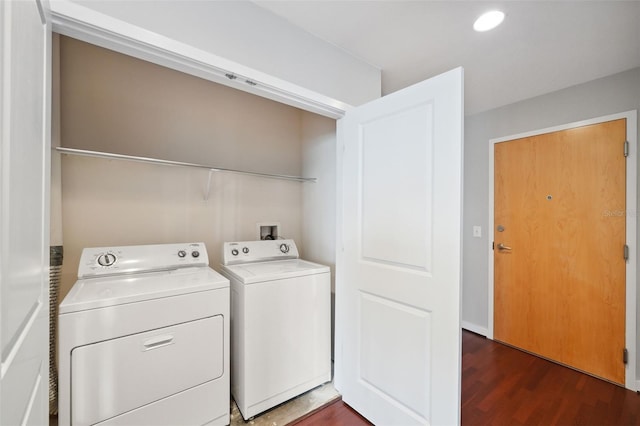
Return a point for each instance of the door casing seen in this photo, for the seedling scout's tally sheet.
(24, 211)
(631, 229)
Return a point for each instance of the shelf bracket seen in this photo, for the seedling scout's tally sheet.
(206, 195)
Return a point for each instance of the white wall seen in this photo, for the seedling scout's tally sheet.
(242, 32)
(609, 95)
(319, 199)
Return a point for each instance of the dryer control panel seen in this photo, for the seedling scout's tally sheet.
(258, 251)
(100, 261)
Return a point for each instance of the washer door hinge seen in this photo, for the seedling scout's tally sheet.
(625, 356)
(626, 252)
(626, 148)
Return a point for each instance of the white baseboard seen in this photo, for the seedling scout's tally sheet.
(474, 328)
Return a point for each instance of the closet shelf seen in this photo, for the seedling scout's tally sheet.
(112, 156)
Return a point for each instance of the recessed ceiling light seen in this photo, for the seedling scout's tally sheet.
(488, 21)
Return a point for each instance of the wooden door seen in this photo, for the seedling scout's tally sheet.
(398, 263)
(559, 231)
(24, 212)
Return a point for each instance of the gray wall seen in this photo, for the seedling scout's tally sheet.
(609, 95)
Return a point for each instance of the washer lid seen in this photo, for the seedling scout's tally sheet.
(249, 273)
(101, 292)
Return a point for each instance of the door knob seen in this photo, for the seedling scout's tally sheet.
(503, 247)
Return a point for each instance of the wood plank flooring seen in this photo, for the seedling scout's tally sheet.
(502, 386)
(336, 413)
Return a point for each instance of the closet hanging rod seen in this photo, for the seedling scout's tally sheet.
(112, 156)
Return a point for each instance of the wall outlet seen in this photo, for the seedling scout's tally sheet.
(477, 231)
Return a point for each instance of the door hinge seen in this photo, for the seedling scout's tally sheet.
(625, 356)
(626, 148)
(493, 245)
(626, 252)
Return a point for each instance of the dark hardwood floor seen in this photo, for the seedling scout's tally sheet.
(503, 386)
(334, 414)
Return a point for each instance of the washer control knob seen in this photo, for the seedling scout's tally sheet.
(245, 250)
(235, 252)
(182, 253)
(106, 259)
(284, 248)
(195, 253)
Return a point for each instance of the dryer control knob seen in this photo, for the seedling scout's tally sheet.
(182, 253)
(106, 259)
(195, 253)
(235, 252)
(284, 248)
(245, 250)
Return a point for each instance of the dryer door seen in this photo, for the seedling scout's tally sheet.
(115, 376)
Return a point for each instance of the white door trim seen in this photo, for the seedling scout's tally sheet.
(84, 24)
(24, 367)
(631, 235)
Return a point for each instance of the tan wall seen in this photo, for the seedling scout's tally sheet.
(115, 103)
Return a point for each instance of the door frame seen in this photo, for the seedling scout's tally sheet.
(26, 361)
(631, 382)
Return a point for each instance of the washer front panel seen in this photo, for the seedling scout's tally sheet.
(281, 340)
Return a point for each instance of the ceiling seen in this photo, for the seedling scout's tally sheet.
(541, 47)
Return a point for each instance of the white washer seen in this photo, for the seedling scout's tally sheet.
(144, 339)
(280, 323)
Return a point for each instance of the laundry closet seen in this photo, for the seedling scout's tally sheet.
(105, 102)
(110, 102)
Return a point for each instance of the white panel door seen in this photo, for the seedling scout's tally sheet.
(24, 212)
(399, 255)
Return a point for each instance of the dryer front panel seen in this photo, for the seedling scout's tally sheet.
(115, 376)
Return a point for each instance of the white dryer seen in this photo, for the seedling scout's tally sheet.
(280, 323)
(144, 339)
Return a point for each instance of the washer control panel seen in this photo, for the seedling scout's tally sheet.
(258, 251)
(98, 261)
